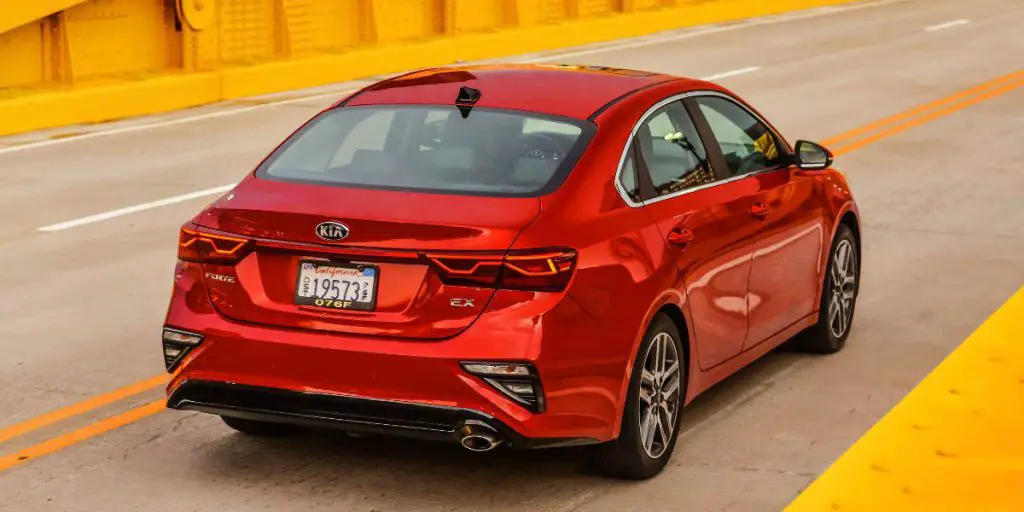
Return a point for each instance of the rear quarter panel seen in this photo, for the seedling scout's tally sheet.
(624, 272)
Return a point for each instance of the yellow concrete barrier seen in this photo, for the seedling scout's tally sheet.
(67, 62)
(956, 442)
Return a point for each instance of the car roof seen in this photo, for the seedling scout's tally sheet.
(565, 90)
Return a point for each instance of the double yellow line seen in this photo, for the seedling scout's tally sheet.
(841, 144)
(63, 441)
(887, 127)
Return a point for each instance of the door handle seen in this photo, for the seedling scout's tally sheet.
(760, 210)
(680, 236)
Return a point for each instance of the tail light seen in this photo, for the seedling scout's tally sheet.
(534, 270)
(199, 247)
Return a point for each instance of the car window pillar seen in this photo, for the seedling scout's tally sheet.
(715, 156)
(643, 175)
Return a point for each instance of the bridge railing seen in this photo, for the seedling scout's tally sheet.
(73, 61)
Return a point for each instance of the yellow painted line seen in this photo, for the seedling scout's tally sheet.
(956, 442)
(18, 429)
(931, 116)
(77, 436)
(925, 108)
(977, 94)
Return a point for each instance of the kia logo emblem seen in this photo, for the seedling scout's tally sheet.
(331, 231)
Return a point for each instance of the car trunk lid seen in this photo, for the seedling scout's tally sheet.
(385, 256)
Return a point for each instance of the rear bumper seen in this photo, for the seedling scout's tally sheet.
(581, 363)
(353, 414)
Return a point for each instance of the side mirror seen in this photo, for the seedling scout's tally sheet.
(812, 156)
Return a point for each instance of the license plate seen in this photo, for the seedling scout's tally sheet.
(337, 285)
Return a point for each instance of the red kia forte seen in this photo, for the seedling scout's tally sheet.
(520, 256)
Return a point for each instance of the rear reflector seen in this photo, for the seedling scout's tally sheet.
(177, 344)
(518, 381)
(497, 369)
(534, 270)
(199, 247)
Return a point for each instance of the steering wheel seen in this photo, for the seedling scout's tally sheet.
(542, 147)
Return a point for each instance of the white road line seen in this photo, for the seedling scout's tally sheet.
(219, 190)
(727, 74)
(642, 41)
(137, 208)
(950, 24)
(629, 43)
(647, 41)
(171, 122)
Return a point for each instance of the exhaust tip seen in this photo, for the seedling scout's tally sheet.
(478, 437)
(479, 443)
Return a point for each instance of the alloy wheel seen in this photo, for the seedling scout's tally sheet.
(659, 395)
(843, 289)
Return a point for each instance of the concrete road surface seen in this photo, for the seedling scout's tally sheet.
(81, 307)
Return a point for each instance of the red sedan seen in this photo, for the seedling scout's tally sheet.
(528, 256)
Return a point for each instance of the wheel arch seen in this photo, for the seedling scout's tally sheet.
(850, 220)
(673, 305)
(846, 215)
(674, 312)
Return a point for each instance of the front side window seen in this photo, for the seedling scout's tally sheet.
(748, 145)
(431, 148)
(672, 151)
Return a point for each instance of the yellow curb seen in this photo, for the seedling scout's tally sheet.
(956, 442)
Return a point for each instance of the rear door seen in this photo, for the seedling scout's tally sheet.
(784, 274)
(706, 225)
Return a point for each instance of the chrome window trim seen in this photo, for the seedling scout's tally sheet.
(647, 114)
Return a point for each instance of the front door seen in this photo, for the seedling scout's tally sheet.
(784, 273)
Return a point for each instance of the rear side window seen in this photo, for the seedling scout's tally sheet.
(433, 148)
(672, 151)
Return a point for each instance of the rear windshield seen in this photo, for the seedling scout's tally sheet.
(432, 148)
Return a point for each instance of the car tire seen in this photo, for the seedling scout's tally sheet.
(640, 453)
(258, 428)
(838, 301)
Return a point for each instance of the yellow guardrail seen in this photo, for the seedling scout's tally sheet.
(15, 13)
(73, 61)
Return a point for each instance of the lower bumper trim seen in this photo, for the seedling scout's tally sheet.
(354, 414)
